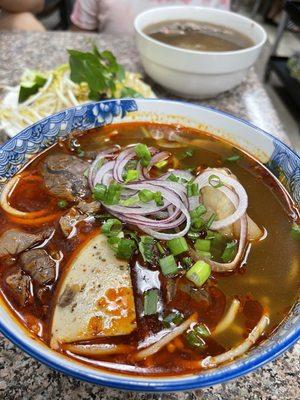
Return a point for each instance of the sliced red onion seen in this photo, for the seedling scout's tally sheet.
(100, 156)
(203, 181)
(163, 155)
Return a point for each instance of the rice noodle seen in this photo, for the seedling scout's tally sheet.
(98, 349)
(169, 336)
(237, 351)
(229, 317)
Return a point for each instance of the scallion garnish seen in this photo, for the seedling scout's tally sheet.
(215, 181)
(123, 248)
(168, 265)
(229, 252)
(178, 246)
(151, 299)
(158, 199)
(201, 330)
(62, 203)
(99, 192)
(132, 164)
(113, 193)
(112, 227)
(205, 254)
(130, 201)
(295, 231)
(188, 153)
(146, 195)
(202, 244)
(210, 220)
(192, 189)
(160, 249)
(173, 178)
(131, 175)
(198, 211)
(232, 158)
(193, 235)
(161, 164)
(195, 340)
(143, 154)
(146, 248)
(187, 262)
(174, 318)
(199, 273)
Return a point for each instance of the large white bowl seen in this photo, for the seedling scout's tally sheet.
(197, 74)
(275, 155)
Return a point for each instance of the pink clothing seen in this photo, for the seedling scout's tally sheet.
(116, 16)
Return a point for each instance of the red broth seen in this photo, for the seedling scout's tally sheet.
(267, 281)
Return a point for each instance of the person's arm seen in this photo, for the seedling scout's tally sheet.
(85, 15)
(17, 6)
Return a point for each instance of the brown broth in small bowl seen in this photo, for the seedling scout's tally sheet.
(198, 36)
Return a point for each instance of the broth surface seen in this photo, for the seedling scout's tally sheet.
(266, 281)
(198, 36)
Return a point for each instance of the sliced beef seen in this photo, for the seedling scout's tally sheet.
(64, 176)
(76, 214)
(68, 221)
(20, 285)
(88, 208)
(39, 265)
(14, 241)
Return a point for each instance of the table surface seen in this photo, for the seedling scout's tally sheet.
(21, 377)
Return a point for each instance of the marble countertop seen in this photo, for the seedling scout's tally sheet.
(21, 377)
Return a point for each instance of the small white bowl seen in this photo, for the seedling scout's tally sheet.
(197, 74)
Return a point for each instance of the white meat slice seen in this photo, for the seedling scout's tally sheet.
(95, 298)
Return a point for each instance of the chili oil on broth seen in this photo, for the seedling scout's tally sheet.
(266, 282)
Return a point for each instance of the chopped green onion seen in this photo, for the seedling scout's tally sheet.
(173, 178)
(198, 211)
(112, 227)
(113, 193)
(158, 199)
(131, 201)
(178, 246)
(132, 164)
(86, 173)
(123, 248)
(188, 153)
(80, 152)
(193, 235)
(232, 158)
(146, 248)
(168, 265)
(206, 254)
(215, 181)
(174, 318)
(201, 330)
(198, 223)
(131, 175)
(161, 164)
(143, 154)
(210, 234)
(62, 203)
(187, 262)
(210, 220)
(99, 192)
(202, 244)
(151, 302)
(195, 340)
(199, 273)
(295, 231)
(192, 189)
(146, 195)
(160, 249)
(229, 252)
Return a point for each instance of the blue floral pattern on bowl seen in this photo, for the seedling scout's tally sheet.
(283, 163)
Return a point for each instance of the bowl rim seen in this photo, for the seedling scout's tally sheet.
(146, 37)
(156, 384)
